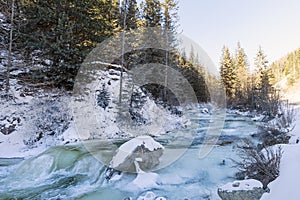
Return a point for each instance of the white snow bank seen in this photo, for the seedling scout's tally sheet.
(286, 186)
(12, 145)
(127, 148)
(248, 184)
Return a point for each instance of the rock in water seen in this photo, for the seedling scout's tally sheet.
(246, 189)
(144, 148)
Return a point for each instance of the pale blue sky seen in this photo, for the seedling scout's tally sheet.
(273, 24)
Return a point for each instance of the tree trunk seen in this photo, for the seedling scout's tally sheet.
(9, 62)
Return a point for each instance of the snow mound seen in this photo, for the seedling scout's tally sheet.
(286, 185)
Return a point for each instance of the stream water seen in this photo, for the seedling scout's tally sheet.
(71, 172)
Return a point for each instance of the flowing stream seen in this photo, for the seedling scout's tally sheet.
(71, 172)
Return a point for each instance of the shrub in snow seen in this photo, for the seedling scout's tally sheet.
(102, 97)
(8, 124)
(50, 117)
(277, 130)
(262, 165)
(137, 101)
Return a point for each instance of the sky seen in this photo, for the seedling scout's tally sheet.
(272, 24)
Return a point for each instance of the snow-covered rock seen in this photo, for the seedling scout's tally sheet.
(246, 189)
(143, 148)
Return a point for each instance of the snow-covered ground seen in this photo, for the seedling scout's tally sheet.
(33, 123)
(286, 186)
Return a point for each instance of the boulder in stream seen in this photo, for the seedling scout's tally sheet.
(246, 189)
(143, 148)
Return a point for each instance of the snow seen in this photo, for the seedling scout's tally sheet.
(287, 184)
(258, 118)
(12, 145)
(33, 114)
(146, 180)
(248, 184)
(128, 147)
(110, 122)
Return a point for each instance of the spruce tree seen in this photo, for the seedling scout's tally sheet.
(242, 83)
(130, 9)
(228, 75)
(170, 19)
(262, 84)
(64, 32)
(152, 13)
(11, 20)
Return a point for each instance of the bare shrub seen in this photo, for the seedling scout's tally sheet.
(287, 117)
(277, 130)
(262, 165)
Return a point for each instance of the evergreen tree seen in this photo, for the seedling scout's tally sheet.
(228, 75)
(242, 83)
(152, 13)
(262, 84)
(102, 97)
(192, 58)
(170, 18)
(129, 9)
(64, 32)
(10, 22)
(261, 64)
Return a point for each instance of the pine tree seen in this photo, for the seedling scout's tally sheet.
(192, 58)
(170, 19)
(262, 84)
(64, 32)
(152, 13)
(261, 64)
(130, 9)
(228, 75)
(242, 83)
(102, 97)
(11, 20)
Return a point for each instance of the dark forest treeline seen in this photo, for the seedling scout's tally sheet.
(58, 34)
(52, 38)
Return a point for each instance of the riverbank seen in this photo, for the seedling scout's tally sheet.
(286, 186)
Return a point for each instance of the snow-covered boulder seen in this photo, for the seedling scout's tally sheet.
(143, 148)
(246, 189)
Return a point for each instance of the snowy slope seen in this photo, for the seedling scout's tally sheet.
(44, 120)
(286, 186)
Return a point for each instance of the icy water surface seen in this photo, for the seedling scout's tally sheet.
(71, 172)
